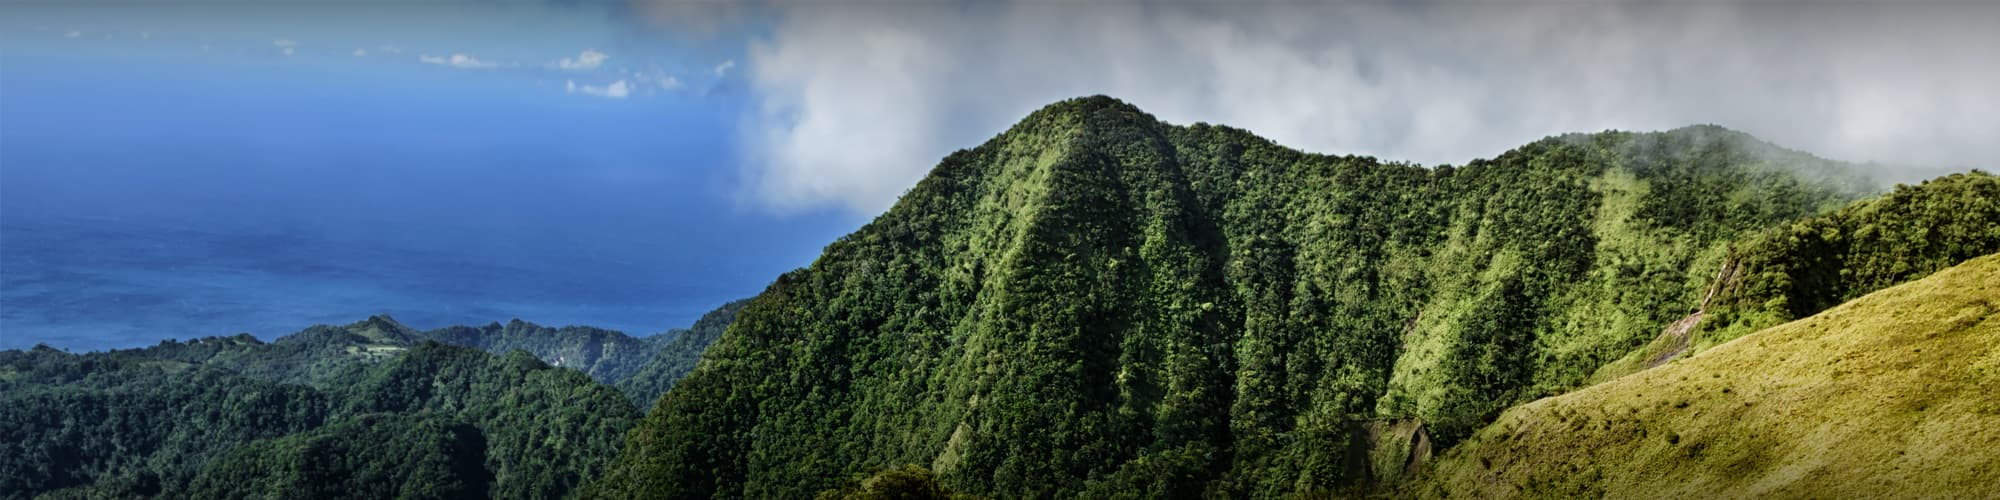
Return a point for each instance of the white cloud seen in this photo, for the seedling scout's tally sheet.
(360, 52)
(287, 50)
(616, 90)
(390, 49)
(460, 61)
(72, 34)
(1436, 83)
(281, 42)
(589, 59)
(723, 69)
(658, 78)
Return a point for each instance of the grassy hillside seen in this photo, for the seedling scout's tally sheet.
(1890, 395)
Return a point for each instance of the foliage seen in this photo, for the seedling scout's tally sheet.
(137, 425)
(607, 356)
(1798, 270)
(678, 351)
(1890, 395)
(369, 456)
(909, 482)
(428, 421)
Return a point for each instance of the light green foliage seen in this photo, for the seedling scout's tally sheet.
(1803, 268)
(1890, 395)
(1096, 302)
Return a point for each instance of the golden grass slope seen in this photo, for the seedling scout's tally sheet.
(1895, 394)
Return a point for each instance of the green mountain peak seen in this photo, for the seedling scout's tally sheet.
(1095, 301)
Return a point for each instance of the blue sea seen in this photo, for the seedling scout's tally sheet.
(96, 283)
(149, 194)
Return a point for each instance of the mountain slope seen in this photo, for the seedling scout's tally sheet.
(1890, 395)
(677, 353)
(1098, 302)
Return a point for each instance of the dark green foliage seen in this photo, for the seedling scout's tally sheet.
(369, 456)
(1801, 269)
(138, 425)
(909, 482)
(678, 351)
(425, 421)
(1095, 302)
(546, 430)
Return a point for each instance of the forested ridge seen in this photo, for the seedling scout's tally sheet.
(366, 410)
(1096, 303)
(436, 418)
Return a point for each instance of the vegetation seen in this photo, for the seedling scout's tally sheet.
(1796, 271)
(370, 456)
(130, 426)
(1097, 303)
(909, 482)
(678, 350)
(1890, 395)
(431, 421)
(605, 355)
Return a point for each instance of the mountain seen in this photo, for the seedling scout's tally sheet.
(1890, 395)
(1800, 269)
(1097, 303)
(605, 355)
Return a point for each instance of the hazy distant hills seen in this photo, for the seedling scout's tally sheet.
(1098, 304)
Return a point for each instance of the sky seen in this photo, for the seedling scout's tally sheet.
(175, 169)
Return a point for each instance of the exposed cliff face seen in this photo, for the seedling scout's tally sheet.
(1097, 302)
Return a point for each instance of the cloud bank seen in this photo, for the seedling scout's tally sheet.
(854, 102)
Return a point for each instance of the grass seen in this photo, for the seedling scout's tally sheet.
(1890, 395)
